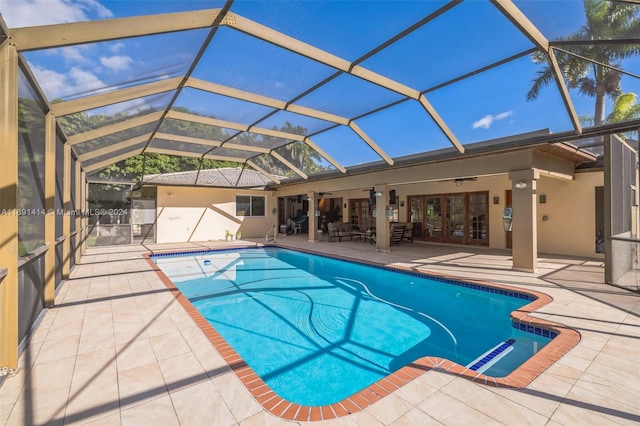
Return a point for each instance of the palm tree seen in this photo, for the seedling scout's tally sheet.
(625, 108)
(604, 21)
(299, 153)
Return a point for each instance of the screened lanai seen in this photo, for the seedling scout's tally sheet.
(298, 89)
(290, 91)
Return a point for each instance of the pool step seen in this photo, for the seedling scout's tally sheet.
(493, 355)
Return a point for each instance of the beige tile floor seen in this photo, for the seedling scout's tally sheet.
(117, 349)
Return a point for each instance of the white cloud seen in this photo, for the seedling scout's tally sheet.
(486, 121)
(25, 13)
(86, 81)
(73, 54)
(57, 85)
(53, 83)
(95, 7)
(116, 47)
(504, 115)
(132, 106)
(117, 62)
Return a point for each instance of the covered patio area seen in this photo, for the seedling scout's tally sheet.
(118, 348)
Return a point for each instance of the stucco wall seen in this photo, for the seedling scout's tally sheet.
(571, 216)
(570, 208)
(203, 214)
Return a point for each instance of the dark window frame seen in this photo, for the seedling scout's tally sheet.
(249, 206)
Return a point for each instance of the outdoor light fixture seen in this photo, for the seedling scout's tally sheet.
(521, 185)
(458, 182)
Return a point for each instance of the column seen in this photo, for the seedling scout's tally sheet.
(8, 205)
(78, 208)
(382, 221)
(83, 207)
(609, 169)
(50, 206)
(312, 199)
(66, 207)
(525, 228)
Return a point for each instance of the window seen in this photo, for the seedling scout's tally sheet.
(250, 205)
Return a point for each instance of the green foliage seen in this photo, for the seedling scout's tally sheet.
(299, 154)
(31, 135)
(625, 108)
(149, 164)
(604, 20)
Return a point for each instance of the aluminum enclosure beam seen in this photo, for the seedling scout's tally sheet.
(264, 172)
(114, 128)
(519, 19)
(257, 130)
(242, 95)
(195, 155)
(60, 35)
(290, 165)
(113, 147)
(233, 125)
(102, 164)
(371, 143)
(9, 292)
(274, 37)
(49, 206)
(206, 142)
(110, 98)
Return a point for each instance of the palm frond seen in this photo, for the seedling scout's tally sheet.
(544, 77)
(625, 108)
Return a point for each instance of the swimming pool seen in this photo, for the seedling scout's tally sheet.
(318, 330)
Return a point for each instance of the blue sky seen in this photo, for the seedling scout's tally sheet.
(489, 105)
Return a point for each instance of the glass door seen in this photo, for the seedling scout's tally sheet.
(433, 218)
(477, 214)
(416, 216)
(143, 215)
(361, 216)
(455, 219)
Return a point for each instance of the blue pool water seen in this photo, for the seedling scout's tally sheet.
(318, 330)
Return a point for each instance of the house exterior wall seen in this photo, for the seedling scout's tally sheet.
(201, 214)
(204, 214)
(570, 208)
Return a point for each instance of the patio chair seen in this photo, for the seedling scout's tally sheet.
(295, 227)
(397, 234)
(332, 229)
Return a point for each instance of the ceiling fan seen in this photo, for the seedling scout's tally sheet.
(322, 194)
(460, 181)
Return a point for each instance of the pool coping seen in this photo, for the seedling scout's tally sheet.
(565, 339)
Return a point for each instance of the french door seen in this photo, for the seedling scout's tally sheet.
(362, 214)
(461, 218)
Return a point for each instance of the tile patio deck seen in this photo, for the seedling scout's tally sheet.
(119, 349)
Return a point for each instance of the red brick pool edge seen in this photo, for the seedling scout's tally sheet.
(566, 338)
